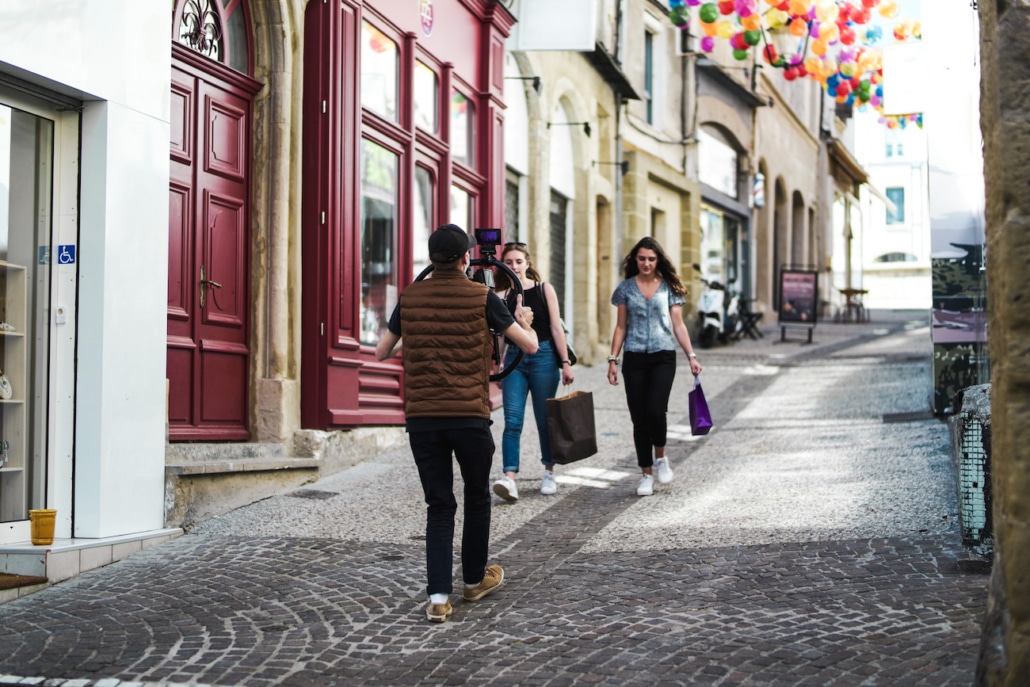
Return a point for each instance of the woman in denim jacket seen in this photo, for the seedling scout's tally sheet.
(649, 325)
(537, 373)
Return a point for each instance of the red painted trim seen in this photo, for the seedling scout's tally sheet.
(192, 62)
(343, 386)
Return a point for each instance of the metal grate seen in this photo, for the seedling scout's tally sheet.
(974, 467)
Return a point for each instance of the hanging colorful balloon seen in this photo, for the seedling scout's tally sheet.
(834, 42)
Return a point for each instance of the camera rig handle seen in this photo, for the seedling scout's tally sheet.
(488, 260)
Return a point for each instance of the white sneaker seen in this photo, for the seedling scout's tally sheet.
(664, 471)
(548, 485)
(646, 486)
(506, 489)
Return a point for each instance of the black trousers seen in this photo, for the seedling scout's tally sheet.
(474, 449)
(648, 379)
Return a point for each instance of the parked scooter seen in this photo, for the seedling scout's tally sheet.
(710, 312)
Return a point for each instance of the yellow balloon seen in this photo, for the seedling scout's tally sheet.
(814, 66)
(777, 18)
(725, 29)
(847, 69)
(917, 29)
(889, 9)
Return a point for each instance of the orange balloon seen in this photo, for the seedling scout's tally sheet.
(752, 22)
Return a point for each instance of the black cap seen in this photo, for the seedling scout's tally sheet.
(449, 242)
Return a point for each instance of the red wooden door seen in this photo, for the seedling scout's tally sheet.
(208, 243)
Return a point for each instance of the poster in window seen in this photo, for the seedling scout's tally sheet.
(798, 296)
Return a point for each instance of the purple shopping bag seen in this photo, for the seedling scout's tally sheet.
(700, 418)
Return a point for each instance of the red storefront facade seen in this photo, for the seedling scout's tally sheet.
(403, 131)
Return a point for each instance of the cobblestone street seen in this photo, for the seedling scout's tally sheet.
(810, 539)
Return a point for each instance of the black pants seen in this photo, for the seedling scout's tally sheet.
(474, 449)
(648, 379)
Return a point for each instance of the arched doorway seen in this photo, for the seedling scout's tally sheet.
(209, 222)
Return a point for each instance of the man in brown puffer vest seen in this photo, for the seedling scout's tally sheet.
(445, 322)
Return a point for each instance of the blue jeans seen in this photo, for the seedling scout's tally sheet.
(538, 375)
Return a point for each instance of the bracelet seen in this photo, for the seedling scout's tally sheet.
(565, 362)
(614, 359)
(692, 355)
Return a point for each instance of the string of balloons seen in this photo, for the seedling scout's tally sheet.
(836, 42)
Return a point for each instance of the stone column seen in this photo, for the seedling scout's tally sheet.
(1005, 123)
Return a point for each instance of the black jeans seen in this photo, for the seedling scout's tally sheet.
(474, 449)
(648, 378)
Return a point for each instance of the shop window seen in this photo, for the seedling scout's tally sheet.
(461, 208)
(462, 124)
(422, 217)
(717, 163)
(896, 196)
(379, 213)
(26, 187)
(379, 70)
(426, 97)
(712, 245)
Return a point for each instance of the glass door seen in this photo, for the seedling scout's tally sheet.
(30, 133)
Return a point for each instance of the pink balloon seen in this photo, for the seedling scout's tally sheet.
(708, 44)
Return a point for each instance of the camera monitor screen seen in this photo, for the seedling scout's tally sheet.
(488, 236)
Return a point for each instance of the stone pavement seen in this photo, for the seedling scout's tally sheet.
(810, 539)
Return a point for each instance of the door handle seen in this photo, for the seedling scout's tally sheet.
(204, 283)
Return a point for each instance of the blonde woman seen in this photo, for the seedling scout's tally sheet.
(537, 374)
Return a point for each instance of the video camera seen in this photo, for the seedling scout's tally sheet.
(488, 240)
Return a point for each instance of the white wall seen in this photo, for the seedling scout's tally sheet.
(115, 55)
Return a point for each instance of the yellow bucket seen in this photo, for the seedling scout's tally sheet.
(42, 525)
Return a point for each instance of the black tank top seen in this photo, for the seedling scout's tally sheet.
(534, 298)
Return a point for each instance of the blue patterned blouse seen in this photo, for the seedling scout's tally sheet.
(648, 321)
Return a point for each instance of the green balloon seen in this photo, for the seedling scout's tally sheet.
(740, 54)
(679, 16)
(752, 37)
(709, 12)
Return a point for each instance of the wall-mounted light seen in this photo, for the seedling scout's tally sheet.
(623, 165)
(535, 79)
(586, 125)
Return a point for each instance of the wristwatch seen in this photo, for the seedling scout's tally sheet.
(614, 359)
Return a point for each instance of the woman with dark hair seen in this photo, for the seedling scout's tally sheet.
(536, 374)
(649, 324)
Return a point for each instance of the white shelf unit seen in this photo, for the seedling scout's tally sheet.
(14, 489)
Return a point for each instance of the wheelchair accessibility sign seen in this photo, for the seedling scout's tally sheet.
(65, 255)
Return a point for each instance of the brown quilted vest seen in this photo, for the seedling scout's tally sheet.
(447, 347)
